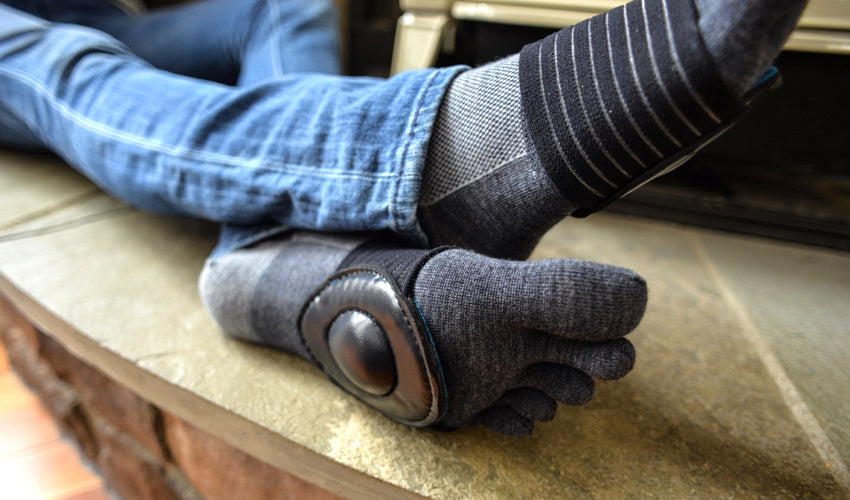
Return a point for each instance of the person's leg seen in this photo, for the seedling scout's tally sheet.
(184, 146)
(14, 133)
(512, 338)
(580, 118)
(226, 41)
(76, 11)
(312, 151)
(241, 42)
(602, 109)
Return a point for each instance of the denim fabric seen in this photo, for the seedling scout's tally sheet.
(226, 41)
(291, 146)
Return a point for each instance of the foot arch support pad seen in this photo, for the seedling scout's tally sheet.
(369, 337)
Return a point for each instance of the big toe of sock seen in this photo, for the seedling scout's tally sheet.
(579, 300)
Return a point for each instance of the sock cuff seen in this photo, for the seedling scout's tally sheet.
(611, 101)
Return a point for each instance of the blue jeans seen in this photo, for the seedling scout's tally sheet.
(227, 110)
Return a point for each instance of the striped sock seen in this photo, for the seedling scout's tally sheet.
(573, 123)
(611, 100)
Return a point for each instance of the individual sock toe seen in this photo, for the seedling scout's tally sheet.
(505, 420)
(608, 360)
(583, 300)
(530, 403)
(562, 383)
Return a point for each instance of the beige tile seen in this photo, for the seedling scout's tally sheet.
(13, 393)
(96, 493)
(4, 359)
(25, 427)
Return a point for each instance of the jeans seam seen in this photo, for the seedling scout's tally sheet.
(174, 151)
(277, 59)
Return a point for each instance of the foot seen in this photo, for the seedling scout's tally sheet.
(579, 119)
(516, 337)
(513, 339)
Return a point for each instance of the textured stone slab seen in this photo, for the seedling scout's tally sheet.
(34, 185)
(798, 299)
(700, 413)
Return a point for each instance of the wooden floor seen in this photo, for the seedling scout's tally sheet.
(35, 461)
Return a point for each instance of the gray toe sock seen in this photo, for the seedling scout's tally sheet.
(257, 293)
(513, 338)
(580, 118)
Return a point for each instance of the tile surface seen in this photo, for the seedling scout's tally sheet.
(13, 394)
(700, 413)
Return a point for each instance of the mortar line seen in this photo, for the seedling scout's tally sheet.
(65, 225)
(796, 404)
(50, 209)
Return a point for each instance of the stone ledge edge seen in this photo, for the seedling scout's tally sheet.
(276, 450)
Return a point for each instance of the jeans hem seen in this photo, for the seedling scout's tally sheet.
(405, 201)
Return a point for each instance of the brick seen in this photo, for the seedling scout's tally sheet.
(18, 335)
(22, 342)
(136, 473)
(220, 471)
(106, 398)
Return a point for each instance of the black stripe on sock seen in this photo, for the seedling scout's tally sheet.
(402, 264)
(630, 89)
